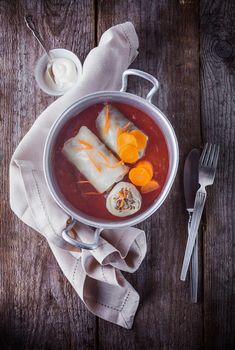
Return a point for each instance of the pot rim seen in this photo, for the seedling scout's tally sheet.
(166, 188)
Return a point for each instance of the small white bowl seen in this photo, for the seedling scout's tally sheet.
(41, 66)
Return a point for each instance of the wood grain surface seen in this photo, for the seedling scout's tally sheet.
(190, 47)
(39, 308)
(217, 41)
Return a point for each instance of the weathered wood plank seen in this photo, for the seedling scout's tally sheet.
(38, 307)
(169, 42)
(217, 44)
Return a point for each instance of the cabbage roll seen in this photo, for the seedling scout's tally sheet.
(124, 199)
(111, 123)
(94, 161)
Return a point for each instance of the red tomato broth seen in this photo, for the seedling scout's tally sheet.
(67, 175)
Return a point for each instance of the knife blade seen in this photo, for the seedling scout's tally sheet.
(191, 177)
(191, 186)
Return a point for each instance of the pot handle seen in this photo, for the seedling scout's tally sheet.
(79, 244)
(141, 74)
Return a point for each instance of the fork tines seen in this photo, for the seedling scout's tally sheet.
(210, 155)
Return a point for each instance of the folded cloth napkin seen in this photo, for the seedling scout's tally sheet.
(95, 275)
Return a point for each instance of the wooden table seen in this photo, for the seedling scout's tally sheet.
(190, 46)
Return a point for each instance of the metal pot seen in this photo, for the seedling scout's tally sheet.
(123, 97)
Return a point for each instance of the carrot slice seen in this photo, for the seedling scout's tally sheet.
(147, 165)
(140, 137)
(139, 176)
(107, 120)
(126, 139)
(151, 186)
(128, 153)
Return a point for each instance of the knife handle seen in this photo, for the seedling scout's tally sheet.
(194, 273)
(197, 214)
(194, 264)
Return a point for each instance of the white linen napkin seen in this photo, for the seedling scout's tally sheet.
(95, 275)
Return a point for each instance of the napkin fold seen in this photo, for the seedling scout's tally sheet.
(95, 274)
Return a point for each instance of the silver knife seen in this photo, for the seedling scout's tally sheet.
(191, 186)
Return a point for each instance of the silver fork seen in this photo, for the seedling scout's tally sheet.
(207, 169)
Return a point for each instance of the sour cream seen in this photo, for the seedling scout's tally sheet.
(61, 74)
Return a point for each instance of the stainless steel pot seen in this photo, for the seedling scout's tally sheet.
(112, 96)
